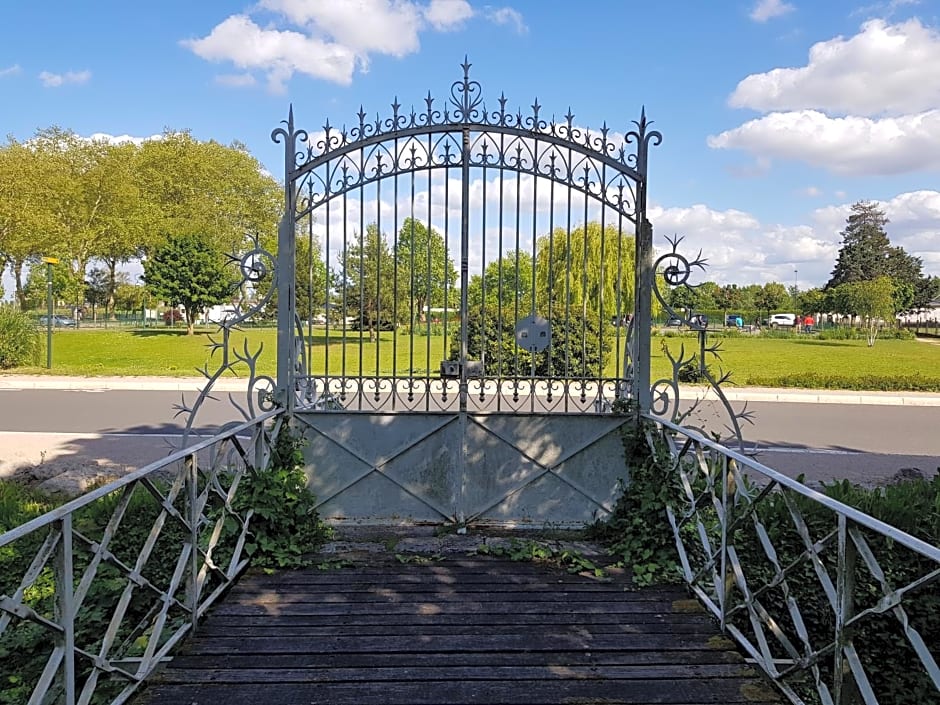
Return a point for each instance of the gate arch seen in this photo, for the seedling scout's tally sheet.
(494, 245)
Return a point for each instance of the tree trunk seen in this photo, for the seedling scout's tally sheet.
(17, 266)
(190, 321)
(112, 285)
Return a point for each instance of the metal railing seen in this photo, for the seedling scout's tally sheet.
(95, 593)
(831, 603)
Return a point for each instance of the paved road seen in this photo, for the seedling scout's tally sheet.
(825, 440)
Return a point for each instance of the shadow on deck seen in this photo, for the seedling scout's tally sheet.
(458, 630)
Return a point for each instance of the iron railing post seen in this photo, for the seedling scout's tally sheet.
(65, 605)
(845, 605)
(727, 474)
(192, 512)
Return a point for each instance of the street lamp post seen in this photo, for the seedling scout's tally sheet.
(796, 285)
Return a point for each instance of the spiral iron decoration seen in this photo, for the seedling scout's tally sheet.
(255, 268)
(677, 271)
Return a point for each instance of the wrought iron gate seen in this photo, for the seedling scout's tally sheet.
(458, 267)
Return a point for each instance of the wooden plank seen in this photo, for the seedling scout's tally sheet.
(444, 621)
(289, 629)
(612, 606)
(459, 673)
(235, 662)
(728, 690)
(463, 631)
(440, 644)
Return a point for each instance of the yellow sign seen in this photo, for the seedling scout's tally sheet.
(50, 260)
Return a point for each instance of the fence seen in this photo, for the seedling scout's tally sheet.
(834, 605)
(94, 594)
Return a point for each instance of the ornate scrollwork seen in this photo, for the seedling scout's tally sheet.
(677, 271)
(256, 284)
(532, 141)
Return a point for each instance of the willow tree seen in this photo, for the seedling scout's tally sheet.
(586, 269)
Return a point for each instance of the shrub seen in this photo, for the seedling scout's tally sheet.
(20, 342)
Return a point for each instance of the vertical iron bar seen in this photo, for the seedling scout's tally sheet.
(516, 289)
(500, 370)
(428, 317)
(845, 589)
(551, 268)
(619, 297)
(65, 605)
(363, 243)
(602, 325)
(379, 245)
(395, 256)
(727, 469)
(584, 278)
(192, 582)
(326, 259)
(464, 263)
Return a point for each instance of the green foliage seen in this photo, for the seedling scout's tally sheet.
(578, 348)
(691, 372)
(912, 506)
(526, 551)
(637, 532)
(285, 527)
(20, 342)
(188, 271)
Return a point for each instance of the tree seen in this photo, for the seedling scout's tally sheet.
(730, 297)
(425, 266)
(208, 188)
(189, 271)
(368, 277)
(97, 290)
(926, 290)
(506, 283)
(28, 223)
(812, 302)
(772, 296)
(586, 269)
(867, 253)
(873, 301)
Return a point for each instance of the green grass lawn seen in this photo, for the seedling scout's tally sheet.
(791, 362)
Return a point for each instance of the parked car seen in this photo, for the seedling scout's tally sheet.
(57, 321)
(734, 320)
(673, 321)
(778, 320)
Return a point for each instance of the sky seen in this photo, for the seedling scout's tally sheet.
(776, 115)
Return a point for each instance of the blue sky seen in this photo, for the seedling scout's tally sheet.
(776, 115)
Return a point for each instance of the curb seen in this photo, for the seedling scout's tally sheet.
(735, 394)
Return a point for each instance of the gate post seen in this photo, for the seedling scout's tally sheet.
(284, 390)
(643, 316)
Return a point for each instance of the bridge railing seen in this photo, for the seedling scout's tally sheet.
(94, 594)
(834, 605)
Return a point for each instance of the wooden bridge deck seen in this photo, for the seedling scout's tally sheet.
(457, 631)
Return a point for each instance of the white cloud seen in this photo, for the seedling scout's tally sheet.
(235, 80)
(507, 16)
(766, 10)
(330, 40)
(884, 69)
(121, 139)
(10, 71)
(55, 80)
(847, 145)
(280, 53)
(445, 15)
(811, 192)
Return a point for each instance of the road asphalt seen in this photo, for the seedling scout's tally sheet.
(71, 460)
